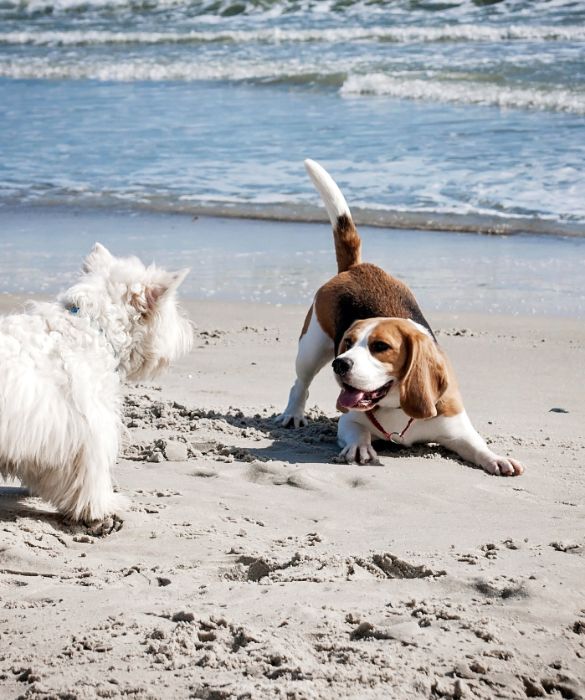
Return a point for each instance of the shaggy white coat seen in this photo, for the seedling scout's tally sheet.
(62, 365)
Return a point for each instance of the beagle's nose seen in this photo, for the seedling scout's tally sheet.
(342, 365)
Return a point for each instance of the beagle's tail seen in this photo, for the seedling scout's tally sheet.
(348, 245)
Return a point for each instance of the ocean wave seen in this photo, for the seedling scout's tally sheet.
(331, 74)
(154, 69)
(464, 92)
(272, 8)
(294, 210)
(402, 35)
(61, 6)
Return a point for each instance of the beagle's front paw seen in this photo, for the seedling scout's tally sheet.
(289, 419)
(359, 454)
(503, 466)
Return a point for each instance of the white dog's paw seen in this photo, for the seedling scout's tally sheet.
(286, 419)
(101, 528)
(358, 454)
(503, 466)
(105, 517)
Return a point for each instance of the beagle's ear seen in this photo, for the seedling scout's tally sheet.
(425, 380)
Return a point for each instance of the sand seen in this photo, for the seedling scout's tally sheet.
(252, 565)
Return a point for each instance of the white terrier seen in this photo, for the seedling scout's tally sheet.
(61, 369)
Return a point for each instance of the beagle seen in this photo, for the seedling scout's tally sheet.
(395, 381)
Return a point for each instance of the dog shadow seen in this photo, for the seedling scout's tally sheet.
(15, 503)
(316, 442)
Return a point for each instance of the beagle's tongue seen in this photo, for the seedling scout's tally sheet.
(349, 397)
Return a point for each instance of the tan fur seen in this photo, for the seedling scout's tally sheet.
(425, 379)
(427, 384)
(451, 403)
(348, 244)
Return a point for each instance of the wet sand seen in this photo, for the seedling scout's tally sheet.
(277, 262)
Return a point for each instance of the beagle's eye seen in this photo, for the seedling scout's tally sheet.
(347, 343)
(379, 346)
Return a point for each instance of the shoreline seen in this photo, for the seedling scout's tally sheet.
(276, 262)
(285, 212)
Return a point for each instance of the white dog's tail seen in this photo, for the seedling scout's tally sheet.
(348, 245)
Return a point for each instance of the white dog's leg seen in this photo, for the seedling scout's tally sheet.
(456, 433)
(84, 491)
(315, 350)
(355, 439)
(94, 500)
(81, 487)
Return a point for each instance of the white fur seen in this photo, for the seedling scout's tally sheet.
(330, 193)
(315, 350)
(456, 433)
(367, 372)
(61, 372)
(420, 327)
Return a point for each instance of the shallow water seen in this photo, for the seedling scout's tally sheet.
(230, 259)
(462, 112)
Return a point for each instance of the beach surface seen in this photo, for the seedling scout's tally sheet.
(252, 565)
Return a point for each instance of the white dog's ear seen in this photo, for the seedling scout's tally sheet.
(156, 290)
(99, 258)
(179, 276)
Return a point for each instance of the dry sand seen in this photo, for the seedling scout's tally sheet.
(251, 565)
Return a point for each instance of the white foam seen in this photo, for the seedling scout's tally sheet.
(148, 70)
(462, 92)
(455, 90)
(43, 6)
(403, 35)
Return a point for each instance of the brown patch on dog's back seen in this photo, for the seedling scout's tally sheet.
(364, 291)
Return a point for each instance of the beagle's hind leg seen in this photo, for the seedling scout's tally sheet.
(316, 349)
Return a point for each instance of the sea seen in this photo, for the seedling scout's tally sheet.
(444, 115)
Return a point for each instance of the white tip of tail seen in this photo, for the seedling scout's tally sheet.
(331, 195)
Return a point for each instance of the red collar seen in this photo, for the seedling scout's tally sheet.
(389, 436)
